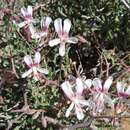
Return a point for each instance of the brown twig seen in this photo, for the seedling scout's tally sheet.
(12, 62)
(25, 40)
(11, 122)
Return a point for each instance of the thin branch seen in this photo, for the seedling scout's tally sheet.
(11, 122)
(126, 4)
(13, 66)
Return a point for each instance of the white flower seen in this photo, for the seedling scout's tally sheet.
(63, 34)
(27, 16)
(100, 94)
(34, 66)
(122, 90)
(45, 22)
(78, 102)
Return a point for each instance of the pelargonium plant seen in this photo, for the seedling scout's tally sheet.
(98, 96)
(122, 90)
(34, 68)
(76, 97)
(101, 95)
(45, 22)
(63, 35)
(27, 14)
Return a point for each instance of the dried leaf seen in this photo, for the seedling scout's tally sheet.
(36, 115)
(44, 122)
(125, 124)
(81, 39)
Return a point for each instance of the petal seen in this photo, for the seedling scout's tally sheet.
(67, 88)
(79, 112)
(79, 86)
(38, 35)
(48, 21)
(108, 100)
(23, 11)
(37, 58)
(69, 110)
(27, 73)
(84, 102)
(67, 25)
(120, 88)
(29, 10)
(62, 49)
(108, 83)
(44, 71)
(100, 103)
(45, 22)
(87, 83)
(54, 42)
(22, 24)
(28, 60)
(128, 91)
(58, 25)
(32, 29)
(72, 40)
(34, 69)
(97, 84)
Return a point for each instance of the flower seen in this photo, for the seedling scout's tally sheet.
(100, 94)
(87, 83)
(122, 90)
(27, 16)
(34, 66)
(63, 34)
(78, 101)
(45, 22)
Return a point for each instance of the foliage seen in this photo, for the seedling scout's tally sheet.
(103, 50)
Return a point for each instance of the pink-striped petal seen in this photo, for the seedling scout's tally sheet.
(45, 22)
(20, 25)
(67, 89)
(120, 88)
(37, 58)
(108, 83)
(109, 101)
(28, 60)
(69, 109)
(79, 112)
(30, 10)
(79, 86)
(72, 40)
(58, 25)
(41, 70)
(62, 49)
(97, 84)
(87, 83)
(32, 29)
(23, 11)
(67, 26)
(54, 42)
(27, 73)
(128, 91)
(83, 102)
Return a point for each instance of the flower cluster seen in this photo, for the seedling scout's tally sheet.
(34, 68)
(27, 15)
(78, 101)
(62, 30)
(63, 34)
(98, 95)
